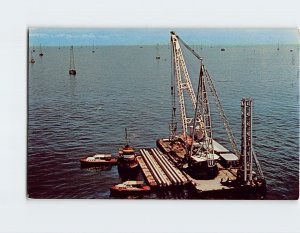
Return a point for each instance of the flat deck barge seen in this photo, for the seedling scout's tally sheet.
(227, 164)
(161, 170)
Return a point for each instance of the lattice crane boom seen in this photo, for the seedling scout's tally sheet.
(201, 122)
(186, 85)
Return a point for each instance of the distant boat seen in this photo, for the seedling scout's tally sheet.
(278, 47)
(98, 160)
(72, 70)
(222, 49)
(41, 52)
(93, 48)
(31, 60)
(33, 50)
(130, 187)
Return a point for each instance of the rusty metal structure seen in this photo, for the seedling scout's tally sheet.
(248, 157)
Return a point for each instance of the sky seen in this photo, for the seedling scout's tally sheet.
(145, 36)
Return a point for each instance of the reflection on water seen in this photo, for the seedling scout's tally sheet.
(96, 168)
(126, 174)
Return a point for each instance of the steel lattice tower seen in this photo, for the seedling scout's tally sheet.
(246, 139)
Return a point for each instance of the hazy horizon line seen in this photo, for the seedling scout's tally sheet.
(152, 36)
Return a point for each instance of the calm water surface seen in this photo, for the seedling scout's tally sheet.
(125, 86)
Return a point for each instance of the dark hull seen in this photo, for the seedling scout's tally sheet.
(128, 172)
(238, 192)
(202, 171)
(128, 165)
(72, 72)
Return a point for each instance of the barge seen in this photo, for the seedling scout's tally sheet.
(193, 157)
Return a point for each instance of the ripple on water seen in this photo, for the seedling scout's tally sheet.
(72, 117)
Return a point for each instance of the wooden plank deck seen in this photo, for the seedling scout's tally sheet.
(147, 173)
(160, 171)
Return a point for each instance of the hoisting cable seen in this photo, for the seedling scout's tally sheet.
(189, 48)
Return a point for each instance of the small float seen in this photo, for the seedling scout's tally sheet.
(130, 187)
(98, 160)
(72, 70)
(32, 61)
(41, 52)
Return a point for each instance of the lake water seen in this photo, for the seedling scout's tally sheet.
(125, 86)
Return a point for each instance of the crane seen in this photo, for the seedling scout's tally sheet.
(200, 124)
(196, 130)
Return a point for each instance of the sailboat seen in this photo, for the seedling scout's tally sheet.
(33, 50)
(93, 48)
(72, 70)
(41, 52)
(31, 60)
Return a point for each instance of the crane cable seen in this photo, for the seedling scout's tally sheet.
(218, 102)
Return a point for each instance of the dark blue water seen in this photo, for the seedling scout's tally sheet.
(125, 86)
